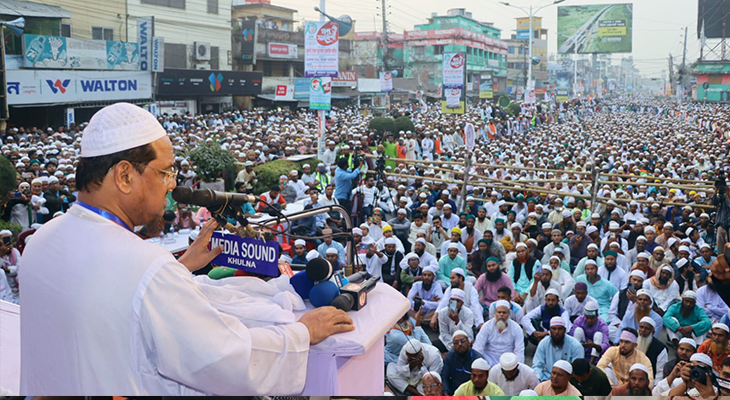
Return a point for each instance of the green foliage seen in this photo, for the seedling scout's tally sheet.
(209, 161)
(503, 101)
(514, 109)
(268, 173)
(15, 228)
(382, 125)
(404, 124)
(7, 178)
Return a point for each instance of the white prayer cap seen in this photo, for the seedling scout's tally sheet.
(590, 262)
(613, 225)
(701, 357)
(595, 215)
(5, 232)
(643, 254)
(682, 262)
(331, 250)
(557, 321)
(300, 242)
(412, 256)
(459, 271)
(453, 245)
(421, 240)
(672, 241)
(688, 341)
(480, 364)
(644, 292)
(501, 303)
(639, 366)
(431, 269)
(457, 294)
(402, 211)
(591, 229)
(705, 246)
(564, 365)
(558, 250)
(434, 374)
(520, 244)
(413, 346)
(459, 333)
(581, 223)
(357, 231)
(528, 392)
(649, 321)
(668, 224)
(119, 127)
(649, 229)
(717, 325)
(516, 225)
(684, 248)
(390, 240)
(53, 179)
(641, 237)
(546, 225)
(312, 255)
(666, 268)
(508, 361)
(639, 273)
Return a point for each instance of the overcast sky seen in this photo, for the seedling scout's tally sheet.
(658, 24)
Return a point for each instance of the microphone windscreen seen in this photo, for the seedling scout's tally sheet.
(302, 284)
(203, 197)
(343, 302)
(323, 293)
(182, 194)
(319, 269)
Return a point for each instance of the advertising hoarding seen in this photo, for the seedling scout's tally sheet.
(599, 28)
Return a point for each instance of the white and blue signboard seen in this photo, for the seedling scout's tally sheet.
(251, 255)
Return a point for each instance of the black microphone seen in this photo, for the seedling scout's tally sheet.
(182, 194)
(208, 198)
(353, 296)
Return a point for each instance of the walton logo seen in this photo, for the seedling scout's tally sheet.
(215, 82)
(58, 85)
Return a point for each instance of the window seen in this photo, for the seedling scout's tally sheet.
(419, 51)
(66, 30)
(439, 49)
(98, 33)
(214, 57)
(212, 6)
(511, 50)
(166, 3)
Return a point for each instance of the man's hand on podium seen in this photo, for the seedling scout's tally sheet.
(324, 322)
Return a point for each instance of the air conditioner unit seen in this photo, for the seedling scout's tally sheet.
(201, 51)
(202, 66)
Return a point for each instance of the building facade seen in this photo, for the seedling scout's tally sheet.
(457, 31)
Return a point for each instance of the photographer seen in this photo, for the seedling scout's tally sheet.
(721, 200)
(344, 177)
(700, 365)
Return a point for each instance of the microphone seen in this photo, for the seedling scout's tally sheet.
(323, 293)
(302, 284)
(211, 198)
(182, 194)
(319, 269)
(353, 296)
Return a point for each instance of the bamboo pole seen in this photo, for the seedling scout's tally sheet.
(698, 188)
(681, 180)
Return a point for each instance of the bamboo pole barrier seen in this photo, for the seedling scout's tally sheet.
(698, 188)
(681, 180)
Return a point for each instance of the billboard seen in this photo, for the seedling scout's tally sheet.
(486, 87)
(386, 81)
(246, 38)
(145, 33)
(321, 46)
(282, 50)
(600, 28)
(345, 78)
(41, 86)
(320, 93)
(562, 87)
(55, 52)
(524, 23)
(711, 13)
(191, 82)
(454, 67)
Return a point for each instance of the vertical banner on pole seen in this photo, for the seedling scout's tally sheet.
(70, 117)
(453, 78)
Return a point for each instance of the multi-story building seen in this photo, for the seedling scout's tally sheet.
(368, 53)
(456, 31)
(518, 56)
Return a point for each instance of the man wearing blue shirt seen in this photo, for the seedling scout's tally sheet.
(329, 243)
(343, 183)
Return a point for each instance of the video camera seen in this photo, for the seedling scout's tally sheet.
(698, 373)
(721, 182)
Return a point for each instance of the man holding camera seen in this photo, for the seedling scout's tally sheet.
(692, 374)
(721, 200)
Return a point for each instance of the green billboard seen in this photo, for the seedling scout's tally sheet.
(599, 28)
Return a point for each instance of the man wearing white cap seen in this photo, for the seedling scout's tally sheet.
(544, 313)
(142, 297)
(556, 236)
(639, 247)
(554, 347)
(591, 331)
(593, 255)
(449, 262)
(415, 360)
(471, 296)
(426, 292)
(512, 376)
(651, 346)
(559, 383)
(500, 334)
(452, 318)
(457, 362)
(544, 282)
(598, 288)
(717, 347)
(300, 252)
(615, 235)
(432, 385)
(523, 270)
(424, 257)
(617, 360)
(643, 307)
(686, 319)
(691, 387)
(479, 385)
(637, 385)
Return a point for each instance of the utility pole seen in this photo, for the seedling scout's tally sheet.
(524, 64)
(671, 74)
(385, 36)
(683, 70)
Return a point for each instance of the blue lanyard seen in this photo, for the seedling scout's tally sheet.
(105, 214)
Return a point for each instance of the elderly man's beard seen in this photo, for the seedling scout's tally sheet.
(644, 392)
(718, 348)
(643, 343)
(501, 325)
(494, 276)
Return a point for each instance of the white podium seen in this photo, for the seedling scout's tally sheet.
(352, 363)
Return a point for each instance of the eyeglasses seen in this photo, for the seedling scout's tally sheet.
(460, 341)
(432, 386)
(170, 174)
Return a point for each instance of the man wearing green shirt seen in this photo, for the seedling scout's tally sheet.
(447, 263)
(391, 150)
(687, 319)
(479, 384)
